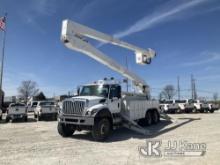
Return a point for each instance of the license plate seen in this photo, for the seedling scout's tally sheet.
(18, 116)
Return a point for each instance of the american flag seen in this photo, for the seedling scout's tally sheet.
(2, 23)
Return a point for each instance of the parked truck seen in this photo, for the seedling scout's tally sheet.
(46, 109)
(103, 106)
(17, 111)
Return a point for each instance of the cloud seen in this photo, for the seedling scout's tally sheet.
(38, 8)
(164, 14)
(204, 58)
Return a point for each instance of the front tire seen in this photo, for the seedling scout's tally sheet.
(65, 130)
(101, 129)
(25, 118)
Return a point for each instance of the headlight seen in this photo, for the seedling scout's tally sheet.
(92, 112)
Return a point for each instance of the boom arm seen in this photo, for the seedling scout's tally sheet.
(73, 37)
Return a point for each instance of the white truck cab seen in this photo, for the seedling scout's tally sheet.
(181, 105)
(46, 109)
(102, 106)
(17, 111)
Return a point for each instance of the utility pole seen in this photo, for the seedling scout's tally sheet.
(178, 87)
(3, 28)
(192, 87)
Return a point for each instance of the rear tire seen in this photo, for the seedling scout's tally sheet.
(148, 118)
(101, 129)
(39, 118)
(25, 118)
(155, 117)
(201, 111)
(7, 119)
(65, 130)
(211, 111)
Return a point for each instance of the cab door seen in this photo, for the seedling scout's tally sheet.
(114, 101)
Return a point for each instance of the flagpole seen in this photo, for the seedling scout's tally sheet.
(2, 60)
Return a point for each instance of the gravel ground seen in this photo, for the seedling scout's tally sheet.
(39, 143)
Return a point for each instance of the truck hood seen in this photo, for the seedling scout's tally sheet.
(91, 100)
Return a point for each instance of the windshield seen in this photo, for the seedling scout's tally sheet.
(180, 101)
(166, 102)
(95, 90)
(34, 104)
(46, 103)
(17, 105)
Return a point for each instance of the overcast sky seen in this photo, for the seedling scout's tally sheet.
(185, 34)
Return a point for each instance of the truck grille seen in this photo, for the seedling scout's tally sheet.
(73, 107)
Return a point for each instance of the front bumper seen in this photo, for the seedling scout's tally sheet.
(16, 116)
(47, 114)
(76, 120)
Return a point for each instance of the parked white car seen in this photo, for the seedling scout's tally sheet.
(31, 106)
(173, 107)
(0, 114)
(181, 105)
(46, 109)
(17, 111)
(164, 105)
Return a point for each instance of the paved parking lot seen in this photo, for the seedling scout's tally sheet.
(39, 143)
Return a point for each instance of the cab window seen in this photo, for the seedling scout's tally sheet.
(115, 91)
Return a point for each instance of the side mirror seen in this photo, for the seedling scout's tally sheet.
(78, 91)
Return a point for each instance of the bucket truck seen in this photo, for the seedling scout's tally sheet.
(102, 106)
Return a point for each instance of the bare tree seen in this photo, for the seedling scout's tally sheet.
(168, 92)
(28, 89)
(215, 96)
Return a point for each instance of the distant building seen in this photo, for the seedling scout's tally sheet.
(61, 97)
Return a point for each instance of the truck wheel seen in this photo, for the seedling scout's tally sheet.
(0, 117)
(194, 110)
(148, 118)
(7, 119)
(55, 117)
(25, 118)
(65, 130)
(155, 117)
(211, 111)
(35, 116)
(201, 111)
(39, 118)
(101, 129)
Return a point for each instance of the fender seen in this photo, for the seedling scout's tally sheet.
(104, 113)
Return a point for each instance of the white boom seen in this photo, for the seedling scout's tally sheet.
(73, 36)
